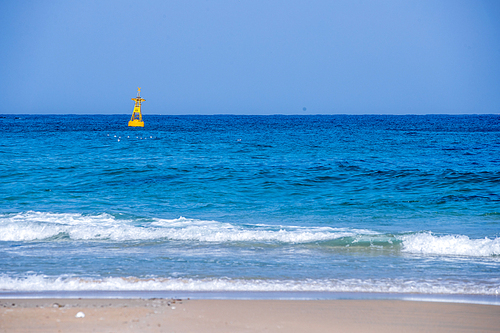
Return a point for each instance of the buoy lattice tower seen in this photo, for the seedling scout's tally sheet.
(136, 120)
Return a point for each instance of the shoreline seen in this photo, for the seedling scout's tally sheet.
(231, 315)
(250, 295)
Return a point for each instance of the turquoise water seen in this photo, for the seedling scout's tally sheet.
(385, 204)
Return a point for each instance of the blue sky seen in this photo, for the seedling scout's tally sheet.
(250, 57)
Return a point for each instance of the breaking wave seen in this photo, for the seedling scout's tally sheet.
(41, 226)
(426, 243)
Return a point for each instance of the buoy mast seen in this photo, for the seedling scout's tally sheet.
(136, 120)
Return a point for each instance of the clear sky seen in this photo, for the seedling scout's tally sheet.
(250, 56)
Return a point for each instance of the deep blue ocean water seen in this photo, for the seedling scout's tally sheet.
(399, 204)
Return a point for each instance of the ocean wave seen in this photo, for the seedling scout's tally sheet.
(43, 283)
(427, 243)
(42, 226)
(31, 226)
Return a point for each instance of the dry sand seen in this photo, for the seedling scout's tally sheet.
(167, 315)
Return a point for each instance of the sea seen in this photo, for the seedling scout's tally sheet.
(242, 206)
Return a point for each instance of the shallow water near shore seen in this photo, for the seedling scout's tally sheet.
(326, 204)
(265, 295)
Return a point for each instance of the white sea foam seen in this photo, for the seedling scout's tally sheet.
(41, 283)
(427, 243)
(39, 226)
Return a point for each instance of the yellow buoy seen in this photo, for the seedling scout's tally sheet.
(136, 120)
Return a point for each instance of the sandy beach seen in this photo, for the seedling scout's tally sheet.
(176, 315)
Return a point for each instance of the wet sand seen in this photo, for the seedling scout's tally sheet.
(170, 315)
